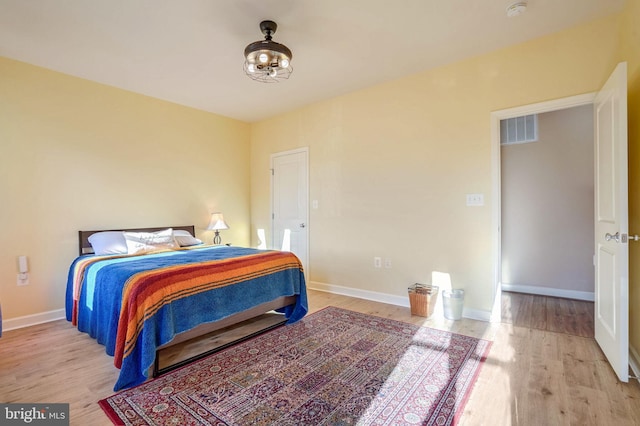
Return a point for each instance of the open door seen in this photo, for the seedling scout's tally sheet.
(612, 222)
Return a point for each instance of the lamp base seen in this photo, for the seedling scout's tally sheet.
(217, 239)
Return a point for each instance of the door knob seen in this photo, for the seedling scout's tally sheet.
(302, 225)
(609, 237)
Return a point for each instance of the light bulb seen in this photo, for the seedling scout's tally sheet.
(284, 63)
(273, 73)
(263, 58)
(251, 68)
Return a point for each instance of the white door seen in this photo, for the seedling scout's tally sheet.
(611, 222)
(290, 203)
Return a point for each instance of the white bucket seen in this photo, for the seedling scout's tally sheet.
(453, 301)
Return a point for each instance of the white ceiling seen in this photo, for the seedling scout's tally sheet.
(191, 51)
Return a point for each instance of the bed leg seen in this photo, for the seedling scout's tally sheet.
(156, 366)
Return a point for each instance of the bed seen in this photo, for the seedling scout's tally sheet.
(137, 304)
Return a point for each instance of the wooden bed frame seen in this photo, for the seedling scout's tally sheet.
(202, 329)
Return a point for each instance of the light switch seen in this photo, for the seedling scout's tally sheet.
(475, 200)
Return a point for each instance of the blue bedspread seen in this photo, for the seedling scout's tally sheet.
(96, 287)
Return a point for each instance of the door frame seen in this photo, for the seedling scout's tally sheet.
(496, 216)
(305, 150)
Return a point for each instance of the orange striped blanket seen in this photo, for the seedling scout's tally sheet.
(133, 305)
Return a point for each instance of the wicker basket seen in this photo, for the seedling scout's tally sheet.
(422, 298)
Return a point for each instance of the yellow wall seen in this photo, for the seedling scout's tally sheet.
(630, 52)
(79, 155)
(390, 165)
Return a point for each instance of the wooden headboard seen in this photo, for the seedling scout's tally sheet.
(85, 247)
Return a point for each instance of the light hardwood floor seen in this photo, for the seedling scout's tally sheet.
(544, 367)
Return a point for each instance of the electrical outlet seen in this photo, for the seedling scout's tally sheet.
(387, 263)
(475, 199)
(377, 262)
(22, 279)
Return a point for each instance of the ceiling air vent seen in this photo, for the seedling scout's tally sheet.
(519, 130)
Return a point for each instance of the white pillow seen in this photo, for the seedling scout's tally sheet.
(108, 242)
(185, 239)
(145, 242)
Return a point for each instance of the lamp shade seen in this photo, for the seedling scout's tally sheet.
(217, 222)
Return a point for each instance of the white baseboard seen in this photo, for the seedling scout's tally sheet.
(360, 294)
(34, 319)
(476, 314)
(29, 320)
(547, 291)
(391, 299)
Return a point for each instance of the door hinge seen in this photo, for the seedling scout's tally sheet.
(273, 216)
(271, 172)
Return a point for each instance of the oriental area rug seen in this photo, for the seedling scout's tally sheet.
(334, 367)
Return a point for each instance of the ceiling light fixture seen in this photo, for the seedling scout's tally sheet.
(516, 9)
(266, 60)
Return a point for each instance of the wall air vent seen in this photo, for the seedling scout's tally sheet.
(519, 130)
